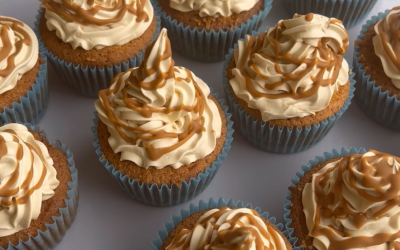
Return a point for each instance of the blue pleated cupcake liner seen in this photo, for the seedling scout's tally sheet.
(350, 12)
(203, 45)
(273, 138)
(88, 80)
(32, 107)
(166, 196)
(373, 101)
(204, 205)
(304, 169)
(55, 231)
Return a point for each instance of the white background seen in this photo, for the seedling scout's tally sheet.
(108, 219)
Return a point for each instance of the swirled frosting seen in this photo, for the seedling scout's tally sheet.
(19, 51)
(353, 203)
(227, 229)
(27, 177)
(214, 8)
(97, 23)
(292, 70)
(387, 44)
(159, 114)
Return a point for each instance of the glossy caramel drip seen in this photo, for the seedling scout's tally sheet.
(6, 192)
(71, 12)
(391, 38)
(228, 238)
(309, 17)
(5, 50)
(329, 61)
(373, 177)
(139, 81)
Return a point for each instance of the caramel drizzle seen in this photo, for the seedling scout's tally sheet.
(72, 12)
(138, 81)
(227, 238)
(17, 27)
(331, 61)
(391, 38)
(374, 177)
(8, 194)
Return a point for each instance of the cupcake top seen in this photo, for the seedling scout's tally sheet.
(387, 44)
(213, 8)
(293, 69)
(97, 23)
(159, 114)
(353, 203)
(19, 51)
(27, 177)
(225, 229)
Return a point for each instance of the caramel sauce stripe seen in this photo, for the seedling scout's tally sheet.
(17, 27)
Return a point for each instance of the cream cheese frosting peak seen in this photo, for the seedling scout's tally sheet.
(226, 229)
(159, 114)
(27, 178)
(19, 51)
(97, 23)
(293, 69)
(214, 8)
(387, 44)
(353, 203)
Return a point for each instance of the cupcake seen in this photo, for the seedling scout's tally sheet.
(376, 65)
(205, 30)
(287, 87)
(349, 11)
(24, 93)
(346, 200)
(38, 189)
(89, 42)
(161, 133)
(221, 225)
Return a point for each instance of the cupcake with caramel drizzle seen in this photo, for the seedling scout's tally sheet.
(38, 189)
(224, 226)
(292, 78)
(107, 36)
(159, 124)
(348, 202)
(23, 74)
(377, 65)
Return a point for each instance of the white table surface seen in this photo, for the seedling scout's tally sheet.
(108, 219)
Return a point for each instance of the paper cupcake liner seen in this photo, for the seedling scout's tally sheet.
(166, 196)
(55, 231)
(272, 138)
(203, 45)
(32, 107)
(373, 101)
(304, 169)
(88, 81)
(350, 12)
(204, 205)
